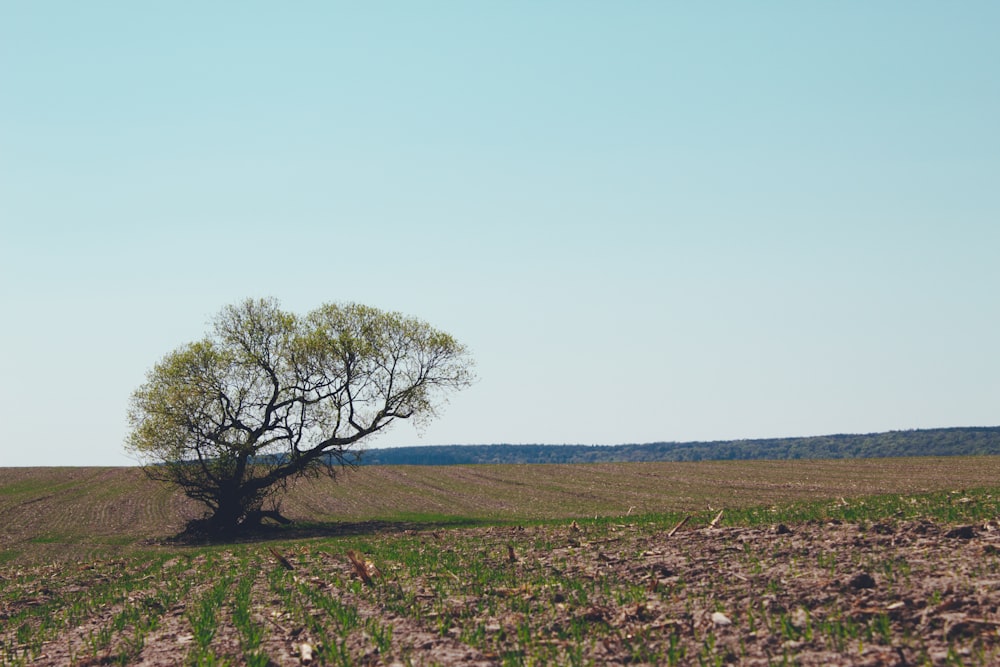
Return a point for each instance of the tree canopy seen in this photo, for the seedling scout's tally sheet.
(268, 395)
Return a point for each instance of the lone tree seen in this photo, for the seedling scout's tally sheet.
(268, 396)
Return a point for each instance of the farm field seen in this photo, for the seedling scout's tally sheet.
(864, 562)
(76, 513)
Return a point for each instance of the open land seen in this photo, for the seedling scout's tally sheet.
(859, 562)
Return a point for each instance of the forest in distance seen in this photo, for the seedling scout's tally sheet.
(957, 441)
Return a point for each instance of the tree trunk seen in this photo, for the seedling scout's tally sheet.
(233, 503)
(228, 516)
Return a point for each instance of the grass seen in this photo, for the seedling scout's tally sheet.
(969, 505)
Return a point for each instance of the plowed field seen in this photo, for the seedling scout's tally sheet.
(805, 565)
(74, 513)
(908, 592)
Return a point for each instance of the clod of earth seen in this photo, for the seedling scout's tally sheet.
(862, 580)
(962, 533)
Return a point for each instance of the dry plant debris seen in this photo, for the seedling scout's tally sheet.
(281, 559)
(365, 569)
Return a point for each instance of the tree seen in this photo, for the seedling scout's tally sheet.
(269, 396)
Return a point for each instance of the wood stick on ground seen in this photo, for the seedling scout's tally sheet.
(678, 526)
(360, 567)
(716, 519)
(281, 559)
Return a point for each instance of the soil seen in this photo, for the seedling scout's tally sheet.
(821, 593)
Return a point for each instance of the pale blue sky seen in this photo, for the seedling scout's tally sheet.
(647, 220)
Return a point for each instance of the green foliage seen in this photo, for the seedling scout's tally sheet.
(970, 441)
(268, 396)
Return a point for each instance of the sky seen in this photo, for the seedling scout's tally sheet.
(648, 221)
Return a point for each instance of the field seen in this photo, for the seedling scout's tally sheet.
(865, 562)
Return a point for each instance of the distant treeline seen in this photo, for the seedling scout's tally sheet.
(930, 442)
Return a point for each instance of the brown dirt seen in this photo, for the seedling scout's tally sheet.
(893, 593)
